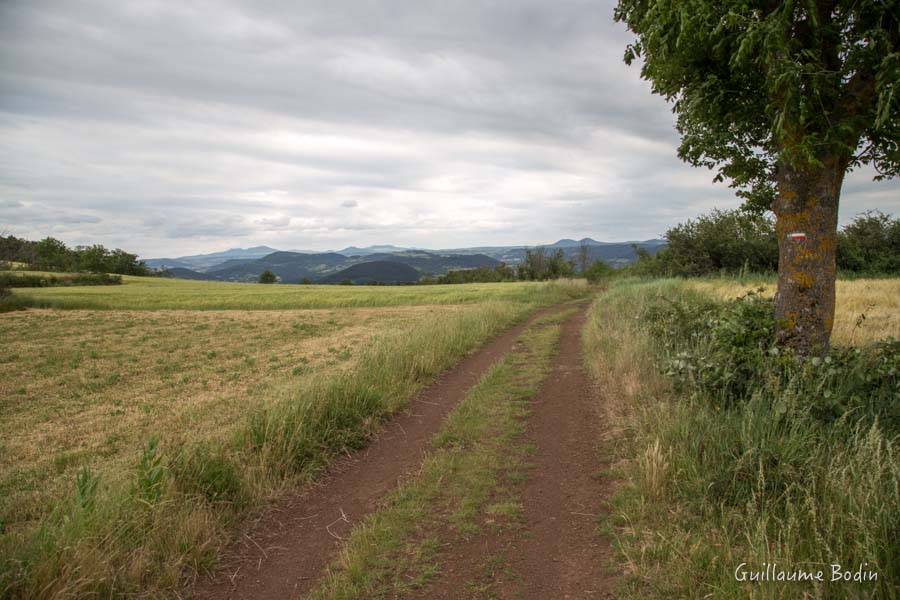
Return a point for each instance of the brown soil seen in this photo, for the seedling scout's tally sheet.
(283, 551)
(555, 552)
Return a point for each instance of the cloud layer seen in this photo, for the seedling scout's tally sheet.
(174, 128)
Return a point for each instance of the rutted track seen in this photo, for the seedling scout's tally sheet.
(555, 552)
(283, 552)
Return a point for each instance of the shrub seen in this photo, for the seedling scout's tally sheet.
(870, 245)
(726, 353)
(20, 281)
(721, 241)
(477, 275)
(267, 277)
(599, 271)
(758, 456)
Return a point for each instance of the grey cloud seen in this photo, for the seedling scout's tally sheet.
(172, 127)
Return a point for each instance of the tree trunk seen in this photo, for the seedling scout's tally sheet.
(806, 212)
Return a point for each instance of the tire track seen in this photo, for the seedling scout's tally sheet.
(282, 553)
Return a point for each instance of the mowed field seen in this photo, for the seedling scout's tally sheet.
(250, 385)
(87, 387)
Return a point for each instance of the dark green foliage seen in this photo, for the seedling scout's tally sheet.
(722, 241)
(14, 249)
(870, 245)
(755, 84)
(599, 271)
(21, 281)
(10, 302)
(540, 265)
(267, 277)
(51, 254)
(478, 275)
(736, 241)
(727, 354)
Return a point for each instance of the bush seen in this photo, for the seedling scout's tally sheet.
(870, 245)
(599, 271)
(267, 277)
(477, 275)
(720, 242)
(757, 457)
(540, 265)
(729, 242)
(726, 353)
(22, 281)
(51, 254)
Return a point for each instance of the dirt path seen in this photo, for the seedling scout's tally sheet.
(281, 554)
(555, 550)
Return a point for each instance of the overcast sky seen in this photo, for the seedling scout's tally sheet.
(177, 127)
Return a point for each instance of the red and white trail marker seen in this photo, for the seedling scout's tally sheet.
(797, 236)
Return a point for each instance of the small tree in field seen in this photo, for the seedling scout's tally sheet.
(783, 98)
(267, 277)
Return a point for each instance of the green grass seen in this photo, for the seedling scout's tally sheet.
(705, 486)
(155, 293)
(397, 549)
(170, 509)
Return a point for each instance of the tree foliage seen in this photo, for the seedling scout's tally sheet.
(758, 83)
(50, 254)
(478, 275)
(598, 271)
(732, 241)
(540, 265)
(870, 245)
(268, 276)
(721, 241)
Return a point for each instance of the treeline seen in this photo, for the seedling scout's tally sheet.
(12, 280)
(51, 254)
(539, 265)
(734, 241)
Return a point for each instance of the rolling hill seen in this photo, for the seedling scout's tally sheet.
(240, 264)
(291, 267)
(376, 271)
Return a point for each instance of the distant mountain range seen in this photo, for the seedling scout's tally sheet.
(383, 263)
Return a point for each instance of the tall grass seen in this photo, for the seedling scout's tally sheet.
(760, 476)
(168, 524)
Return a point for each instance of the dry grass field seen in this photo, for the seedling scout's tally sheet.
(88, 387)
(138, 421)
(868, 310)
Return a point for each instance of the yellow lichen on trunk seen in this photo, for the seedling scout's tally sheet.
(806, 227)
